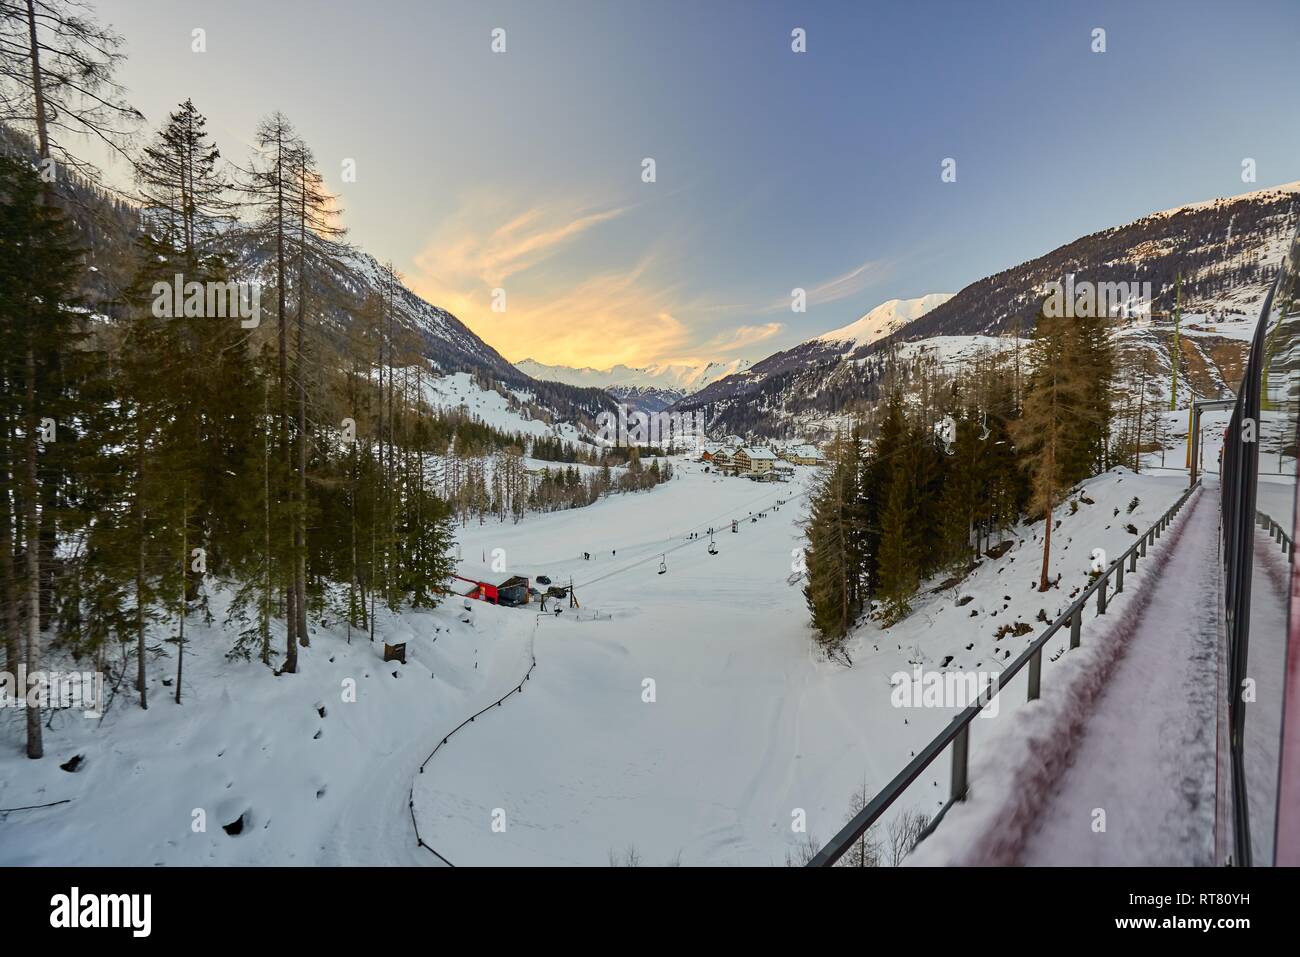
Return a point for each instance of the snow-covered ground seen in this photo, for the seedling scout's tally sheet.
(1116, 766)
(312, 788)
(459, 392)
(686, 715)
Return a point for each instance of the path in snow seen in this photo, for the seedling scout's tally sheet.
(1146, 756)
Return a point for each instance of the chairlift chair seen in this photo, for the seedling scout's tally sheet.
(663, 565)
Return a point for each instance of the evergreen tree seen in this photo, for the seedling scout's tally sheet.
(898, 566)
(829, 553)
(1057, 408)
(182, 193)
(38, 270)
(877, 474)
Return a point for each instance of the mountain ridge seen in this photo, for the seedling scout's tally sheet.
(1224, 251)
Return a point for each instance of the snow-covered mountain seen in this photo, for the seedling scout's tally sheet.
(1224, 251)
(777, 374)
(674, 378)
(450, 346)
(884, 320)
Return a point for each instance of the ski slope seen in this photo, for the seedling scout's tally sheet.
(749, 727)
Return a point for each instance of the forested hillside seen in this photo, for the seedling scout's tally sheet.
(205, 388)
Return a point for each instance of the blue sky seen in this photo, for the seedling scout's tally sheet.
(821, 170)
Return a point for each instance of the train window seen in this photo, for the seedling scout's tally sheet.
(1278, 384)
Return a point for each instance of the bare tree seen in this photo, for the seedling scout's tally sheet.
(904, 834)
(57, 81)
(866, 850)
(801, 854)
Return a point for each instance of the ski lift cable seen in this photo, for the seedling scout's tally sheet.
(702, 526)
(650, 558)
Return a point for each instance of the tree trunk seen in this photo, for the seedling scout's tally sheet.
(32, 538)
(185, 556)
(300, 513)
(291, 611)
(1043, 583)
(140, 561)
(8, 545)
(267, 585)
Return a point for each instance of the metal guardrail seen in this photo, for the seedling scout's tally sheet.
(957, 733)
(518, 689)
(1276, 532)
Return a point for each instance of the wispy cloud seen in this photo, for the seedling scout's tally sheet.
(742, 337)
(841, 287)
(463, 248)
(558, 309)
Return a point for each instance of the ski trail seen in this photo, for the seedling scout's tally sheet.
(1146, 755)
(377, 827)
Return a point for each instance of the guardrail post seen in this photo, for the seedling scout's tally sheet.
(1144, 544)
(1133, 560)
(1101, 595)
(959, 754)
(1076, 623)
(1119, 577)
(1035, 674)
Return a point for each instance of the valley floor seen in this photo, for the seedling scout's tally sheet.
(675, 718)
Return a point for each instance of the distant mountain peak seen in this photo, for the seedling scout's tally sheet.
(884, 320)
(682, 379)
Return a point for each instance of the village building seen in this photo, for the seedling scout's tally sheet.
(752, 460)
(802, 455)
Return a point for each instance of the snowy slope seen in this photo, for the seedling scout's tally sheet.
(747, 724)
(747, 727)
(884, 320)
(510, 412)
(312, 788)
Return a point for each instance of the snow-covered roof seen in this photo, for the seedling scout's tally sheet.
(754, 453)
(806, 452)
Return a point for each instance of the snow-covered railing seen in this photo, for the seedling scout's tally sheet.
(1276, 532)
(957, 733)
